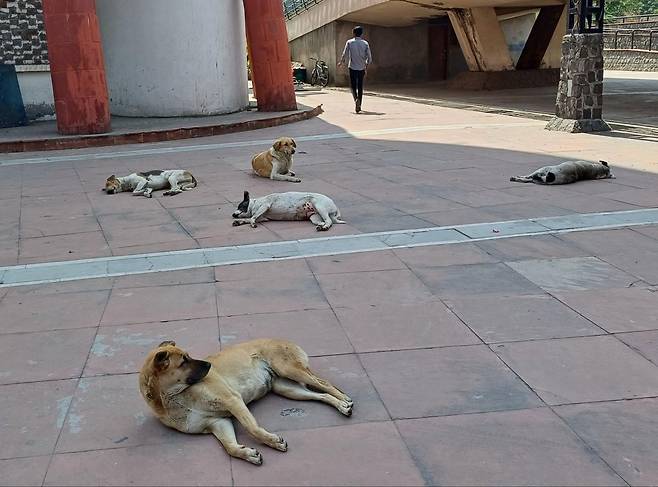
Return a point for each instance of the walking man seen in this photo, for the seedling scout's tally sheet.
(357, 54)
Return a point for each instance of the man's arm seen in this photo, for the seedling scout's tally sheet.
(344, 55)
(368, 55)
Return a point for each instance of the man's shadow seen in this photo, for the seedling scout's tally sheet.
(366, 112)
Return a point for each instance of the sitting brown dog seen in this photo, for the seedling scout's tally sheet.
(201, 396)
(276, 162)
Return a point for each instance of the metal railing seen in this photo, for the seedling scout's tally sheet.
(296, 7)
(642, 39)
(632, 19)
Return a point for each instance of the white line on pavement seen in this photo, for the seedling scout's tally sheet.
(104, 267)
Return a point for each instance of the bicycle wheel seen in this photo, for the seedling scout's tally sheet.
(314, 77)
(323, 78)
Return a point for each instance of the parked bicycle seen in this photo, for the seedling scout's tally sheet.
(320, 73)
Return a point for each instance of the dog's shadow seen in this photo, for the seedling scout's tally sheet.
(365, 112)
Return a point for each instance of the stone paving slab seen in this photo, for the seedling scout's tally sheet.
(475, 339)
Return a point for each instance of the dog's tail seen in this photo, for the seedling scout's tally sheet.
(193, 180)
(521, 179)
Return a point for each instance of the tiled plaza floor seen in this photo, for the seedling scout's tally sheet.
(518, 361)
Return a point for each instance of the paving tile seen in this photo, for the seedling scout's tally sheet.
(162, 303)
(157, 247)
(269, 296)
(49, 355)
(63, 247)
(364, 289)
(42, 312)
(397, 327)
(512, 318)
(46, 403)
(624, 434)
(107, 412)
(364, 454)
(476, 279)
(444, 381)
(644, 342)
(618, 310)
(457, 217)
(499, 229)
(380, 224)
(231, 235)
(285, 269)
(146, 235)
(363, 261)
(585, 369)
(186, 460)
(503, 448)
(444, 255)
(572, 274)
(42, 227)
(610, 242)
(186, 276)
(523, 248)
(316, 331)
(122, 349)
(277, 413)
(123, 222)
(23, 471)
(642, 264)
(529, 209)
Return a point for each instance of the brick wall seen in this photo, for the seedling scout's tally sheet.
(22, 33)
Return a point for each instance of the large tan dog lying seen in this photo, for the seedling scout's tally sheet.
(276, 163)
(201, 396)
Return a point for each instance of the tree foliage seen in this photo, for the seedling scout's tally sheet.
(620, 8)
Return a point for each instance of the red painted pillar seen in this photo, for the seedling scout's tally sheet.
(77, 70)
(271, 71)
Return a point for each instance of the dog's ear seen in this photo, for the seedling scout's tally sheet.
(294, 144)
(161, 360)
(112, 177)
(604, 163)
(245, 197)
(168, 342)
(277, 145)
(550, 177)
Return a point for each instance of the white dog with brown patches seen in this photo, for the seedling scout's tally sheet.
(291, 206)
(276, 163)
(144, 183)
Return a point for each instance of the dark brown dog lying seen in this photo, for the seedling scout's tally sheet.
(567, 172)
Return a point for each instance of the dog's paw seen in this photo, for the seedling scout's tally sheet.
(279, 444)
(321, 228)
(291, 173)
(236, 223)
(296, 180)
(251, 455)
(345, 407)
(253, 225)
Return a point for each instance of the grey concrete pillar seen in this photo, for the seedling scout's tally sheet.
(579, 104)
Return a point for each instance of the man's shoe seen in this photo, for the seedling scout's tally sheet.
(358, 106)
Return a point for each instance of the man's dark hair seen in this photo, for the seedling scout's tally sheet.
(357, 31)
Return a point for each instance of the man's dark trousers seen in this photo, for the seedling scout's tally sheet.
(356, 82)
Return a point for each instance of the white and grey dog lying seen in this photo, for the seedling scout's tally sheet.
(567, 172)
(144, 183)
(318, 208)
